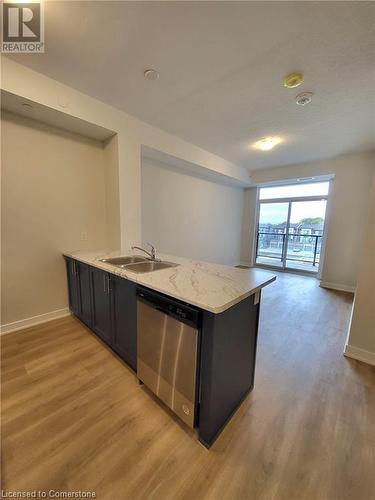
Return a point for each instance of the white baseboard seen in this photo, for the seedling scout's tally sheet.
(359, 354)
(35, 320)
(337, 286)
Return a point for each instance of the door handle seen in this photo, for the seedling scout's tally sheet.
(106, 283)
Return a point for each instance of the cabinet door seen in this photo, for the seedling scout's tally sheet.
(125, 320)
(73, 286)
(85, 309)
(227, 363)
(101, 304)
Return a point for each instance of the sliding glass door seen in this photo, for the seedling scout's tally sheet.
(272, 230)
(305, 233)
(290, 231)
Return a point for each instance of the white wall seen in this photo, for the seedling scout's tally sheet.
(189, 216)
(347, 214)
(248, 225)
(53, 189)
(352, 172)
(112, 194)
(119, 194)
(361, 339)
(131, 135)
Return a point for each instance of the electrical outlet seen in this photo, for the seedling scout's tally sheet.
(83, 236)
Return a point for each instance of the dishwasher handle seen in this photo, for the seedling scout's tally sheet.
(181, 312)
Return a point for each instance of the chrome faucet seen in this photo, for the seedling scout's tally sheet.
(151, 254)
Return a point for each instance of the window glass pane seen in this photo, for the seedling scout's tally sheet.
(294, 190)
(271, 233)
(272, 215)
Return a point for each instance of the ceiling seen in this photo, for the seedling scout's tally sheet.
(221, 67)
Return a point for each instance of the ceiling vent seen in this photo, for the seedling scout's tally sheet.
(151, 74)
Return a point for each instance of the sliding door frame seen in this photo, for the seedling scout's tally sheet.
(290, 200)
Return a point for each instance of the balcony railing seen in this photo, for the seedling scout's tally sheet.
(303, 248)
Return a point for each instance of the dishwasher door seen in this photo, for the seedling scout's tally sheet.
(167, 351)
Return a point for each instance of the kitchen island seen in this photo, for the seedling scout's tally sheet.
(225, 301)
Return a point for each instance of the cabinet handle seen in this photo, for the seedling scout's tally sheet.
(104, 283)
(108, 284)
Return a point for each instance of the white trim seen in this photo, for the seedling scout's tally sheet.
(337, 286)
(359, 354)
(294, 180)
(255, 229)
(34, 320)
(327, 216)
(292, 199)
(243, 263)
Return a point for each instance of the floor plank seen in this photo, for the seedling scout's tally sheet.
(75, 418)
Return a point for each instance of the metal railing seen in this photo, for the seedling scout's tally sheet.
(307, 244)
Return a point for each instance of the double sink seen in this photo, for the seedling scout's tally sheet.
(138, 264)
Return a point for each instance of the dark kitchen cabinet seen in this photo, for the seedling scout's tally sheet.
(84, 292)
(125, 320)
(227, 363)
(107, 304)
(227, 341)
(73, 286)
(101, 296)
(79, 290)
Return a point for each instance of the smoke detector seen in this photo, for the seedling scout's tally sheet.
(304, 98)
(151, 74)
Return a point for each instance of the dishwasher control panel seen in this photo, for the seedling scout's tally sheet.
(182, 312)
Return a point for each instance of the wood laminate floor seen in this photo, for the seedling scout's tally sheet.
(75, 418)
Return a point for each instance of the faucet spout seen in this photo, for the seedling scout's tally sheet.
(151, 254)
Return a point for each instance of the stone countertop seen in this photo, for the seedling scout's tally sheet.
(212, 287)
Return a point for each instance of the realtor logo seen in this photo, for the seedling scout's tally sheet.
(22, 27)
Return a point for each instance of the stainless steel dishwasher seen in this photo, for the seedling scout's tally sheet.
(167, 351)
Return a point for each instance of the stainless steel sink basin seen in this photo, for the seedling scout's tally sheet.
(123, 261)
(149, 266)
(138, 264)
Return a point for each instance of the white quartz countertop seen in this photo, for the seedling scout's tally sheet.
(212, 287)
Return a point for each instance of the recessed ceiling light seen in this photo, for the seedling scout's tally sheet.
(151, 74)
(304, 98)
(293, 80)
(267, 143)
